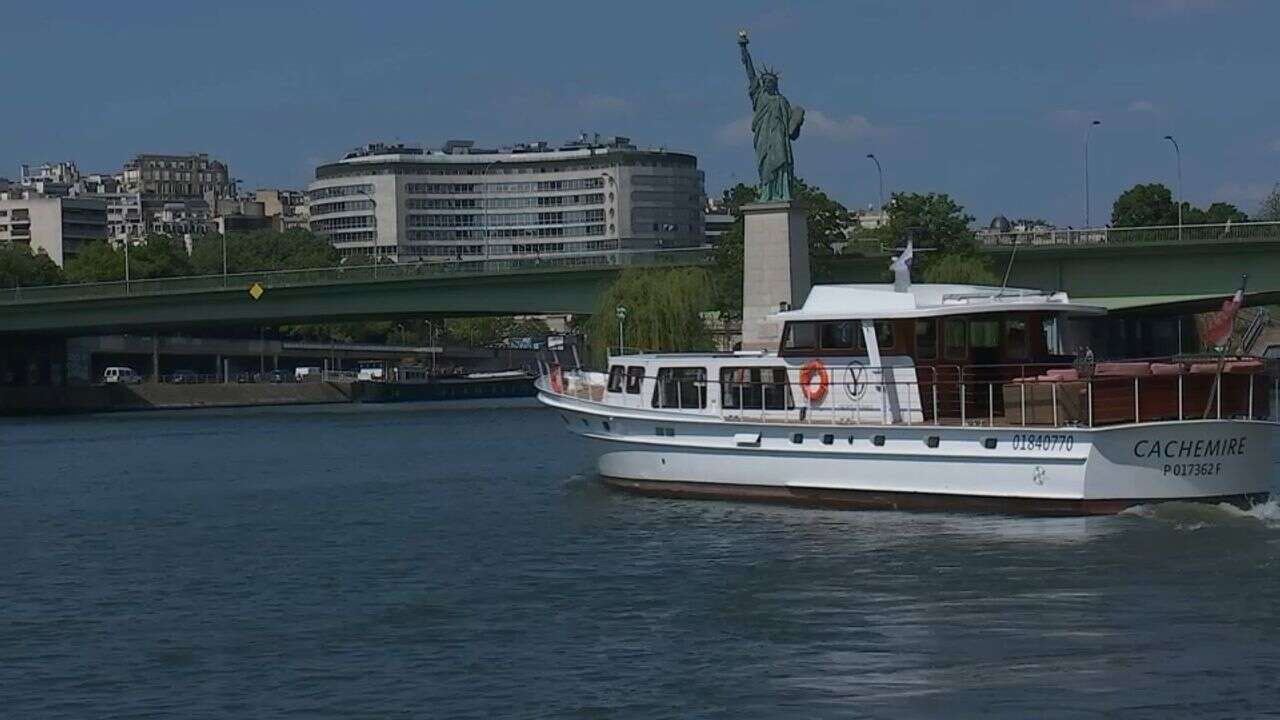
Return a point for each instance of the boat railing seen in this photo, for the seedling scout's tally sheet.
(1011, 395)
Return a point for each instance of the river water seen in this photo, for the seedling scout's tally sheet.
(405, 561)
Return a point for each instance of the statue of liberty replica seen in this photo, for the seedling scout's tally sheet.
(775, 123)
(775, 250)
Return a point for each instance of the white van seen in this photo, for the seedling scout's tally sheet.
(370, 372)
(307, 374)
(120, 375)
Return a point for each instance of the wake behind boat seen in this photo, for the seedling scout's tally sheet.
(929, 397)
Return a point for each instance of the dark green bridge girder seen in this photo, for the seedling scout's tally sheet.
(567, 291)
(1115, 270)
(1121, 270)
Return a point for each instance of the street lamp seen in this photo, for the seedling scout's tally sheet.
(879, 176)
(622, 318)
(1087, 218)
(1177, 151)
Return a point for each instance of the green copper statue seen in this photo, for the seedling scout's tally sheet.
(775, 124)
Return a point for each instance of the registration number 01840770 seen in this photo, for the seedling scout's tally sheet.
(1043, 442)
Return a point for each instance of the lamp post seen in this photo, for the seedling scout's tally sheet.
(1177, 151)
(622, 318)
(879, 176)
(1087, 219)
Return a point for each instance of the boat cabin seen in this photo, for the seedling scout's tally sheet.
(955, 354)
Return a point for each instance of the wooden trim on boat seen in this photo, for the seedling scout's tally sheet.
(929, 502)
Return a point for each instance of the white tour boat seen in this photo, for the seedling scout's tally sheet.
(930, 397)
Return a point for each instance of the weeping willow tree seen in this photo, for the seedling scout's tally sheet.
(664, 312)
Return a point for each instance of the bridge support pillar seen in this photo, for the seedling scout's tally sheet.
(155, 358)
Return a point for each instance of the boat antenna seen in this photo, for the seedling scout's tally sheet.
(1009, 268)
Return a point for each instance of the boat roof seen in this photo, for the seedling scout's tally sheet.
(883, 302)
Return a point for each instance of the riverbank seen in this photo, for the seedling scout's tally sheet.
(162, 396)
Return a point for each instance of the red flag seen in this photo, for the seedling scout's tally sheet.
(1218, 332)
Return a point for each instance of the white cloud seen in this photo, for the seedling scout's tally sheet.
(1142, 106)
(1244, 195)
(735, 132)
(1070, 117)
(817, 124)
(1166, 8)
(850, 128)
(602, 103)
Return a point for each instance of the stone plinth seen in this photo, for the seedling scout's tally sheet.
(775, 268)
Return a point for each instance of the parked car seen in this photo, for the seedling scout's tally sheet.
(184, 377)
(272, 376)
(371, 372)
(120, 376)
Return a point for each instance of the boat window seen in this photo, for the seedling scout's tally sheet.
(1015, 334)
(984, 334)
(748, 388)
(884, 334)
(616, 374)
(684, 387)
(800, 336)
(954, 340)
(926, 339)
(635, 374)
(840, 335)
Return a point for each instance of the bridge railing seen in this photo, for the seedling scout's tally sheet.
(346, 274)
(1156, 235)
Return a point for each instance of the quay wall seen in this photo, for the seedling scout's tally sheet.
(37, 400)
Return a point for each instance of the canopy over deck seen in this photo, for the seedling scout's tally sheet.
(882, 302)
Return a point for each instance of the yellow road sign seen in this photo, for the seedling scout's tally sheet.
(256, 290)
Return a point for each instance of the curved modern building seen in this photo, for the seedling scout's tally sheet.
(461, 202)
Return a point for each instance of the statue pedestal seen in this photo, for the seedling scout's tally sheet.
(775, 268)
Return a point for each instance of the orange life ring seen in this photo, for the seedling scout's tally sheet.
(812, 369)
(555, 378)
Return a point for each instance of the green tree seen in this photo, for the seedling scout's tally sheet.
(262, 250)
(939, 226)
(664, 311)
(20, 267)
(485, 331)
(826, 220)
(159, 256)
(960, 268)
(1269, 209)
(1144, 206)
(934, 220)
(1218, 212)
(96, 262)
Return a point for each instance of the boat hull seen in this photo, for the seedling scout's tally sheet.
(1066, 471)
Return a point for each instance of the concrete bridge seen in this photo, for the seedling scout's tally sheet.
(482, 287)
(1161, 263)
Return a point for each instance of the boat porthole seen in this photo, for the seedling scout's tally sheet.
(797, 438)
(828, 439)
(989, 443)
(931, 441)
(878, 441)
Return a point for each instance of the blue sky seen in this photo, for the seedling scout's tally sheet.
(987, 101)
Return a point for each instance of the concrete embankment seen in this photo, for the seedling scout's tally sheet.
(147, 396)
